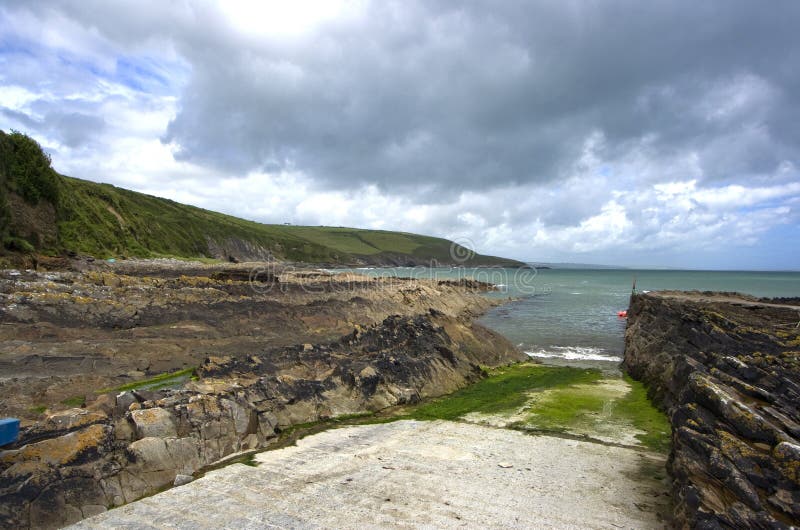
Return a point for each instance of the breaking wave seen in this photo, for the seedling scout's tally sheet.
(574, 353)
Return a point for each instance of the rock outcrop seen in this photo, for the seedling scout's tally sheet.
(66, 334)
(726, 368)
(81, 462)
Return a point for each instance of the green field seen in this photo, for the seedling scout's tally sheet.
(105, 221)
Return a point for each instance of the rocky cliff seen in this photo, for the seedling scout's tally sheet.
(726, 368)
(65, 335)
(81, 462)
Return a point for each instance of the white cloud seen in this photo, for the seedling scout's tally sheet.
(470, 123)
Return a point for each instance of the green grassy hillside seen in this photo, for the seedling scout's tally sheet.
(43, 211)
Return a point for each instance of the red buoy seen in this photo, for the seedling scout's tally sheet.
(622, 314)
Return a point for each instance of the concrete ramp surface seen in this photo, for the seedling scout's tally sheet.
(415, 474)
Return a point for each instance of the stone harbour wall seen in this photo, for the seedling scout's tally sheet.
(726, 368)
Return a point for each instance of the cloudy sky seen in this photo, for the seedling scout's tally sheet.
(657, 133)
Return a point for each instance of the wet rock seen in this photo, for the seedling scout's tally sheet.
(104, 404)
(60, 423)
(124, 400)
(788, 456)
(787, 501)
(75, 447)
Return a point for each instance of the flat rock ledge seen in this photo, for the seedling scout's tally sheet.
(413, 474)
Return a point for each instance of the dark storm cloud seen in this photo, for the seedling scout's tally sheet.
(73, 128)
(501, 92)
(561, 130)
(474, 94)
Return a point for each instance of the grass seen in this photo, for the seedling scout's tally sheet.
(105, 221)
(506, 389)
(646, 417)
(153, 383)
(38, 409)
(74, 401)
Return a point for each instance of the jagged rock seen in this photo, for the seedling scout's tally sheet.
(74, 447)
(788, 456)
(62, 422)
(104, 404)
(238, 404)
(726, 369)
(49, 484)
(124, 400)
(181, 480)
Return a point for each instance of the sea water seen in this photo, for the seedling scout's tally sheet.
(569, 316)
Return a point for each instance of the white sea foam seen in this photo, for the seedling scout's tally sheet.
(574, 353)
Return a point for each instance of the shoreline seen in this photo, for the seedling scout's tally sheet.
(276, 351)
(397, 343)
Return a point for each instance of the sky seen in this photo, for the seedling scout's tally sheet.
(650, 134)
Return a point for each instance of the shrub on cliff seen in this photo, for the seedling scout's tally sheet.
(29, 194)
(27, 170)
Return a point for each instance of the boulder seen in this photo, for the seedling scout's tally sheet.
(154, 422)
(75, 447)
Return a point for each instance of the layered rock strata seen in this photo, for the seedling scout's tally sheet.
(66, 334)
(122, 447)
(726, 368)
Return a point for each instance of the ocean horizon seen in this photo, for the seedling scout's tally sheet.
(570, 316)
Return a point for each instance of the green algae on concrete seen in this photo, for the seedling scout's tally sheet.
(504, 390)
(537, 399)
(557, 399)
(605, 409)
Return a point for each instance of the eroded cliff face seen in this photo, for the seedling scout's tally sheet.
(726, 368)
(81, 462)
(64, 335)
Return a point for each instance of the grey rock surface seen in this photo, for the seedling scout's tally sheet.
(726, 368)
(182, 480)
(414, 474)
